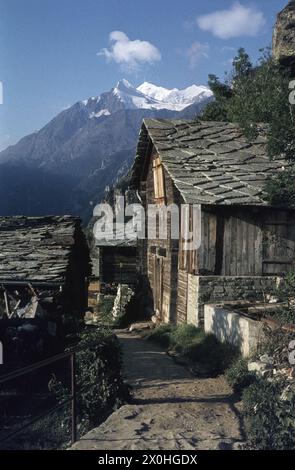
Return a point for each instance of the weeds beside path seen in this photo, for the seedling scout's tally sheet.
(170, 408)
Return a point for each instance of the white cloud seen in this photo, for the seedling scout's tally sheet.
(228, 49)
(239, 20)
(196, 52)
(130, 54)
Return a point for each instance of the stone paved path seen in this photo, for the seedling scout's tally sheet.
(170, 408)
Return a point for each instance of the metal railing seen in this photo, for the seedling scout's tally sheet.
(71, 355)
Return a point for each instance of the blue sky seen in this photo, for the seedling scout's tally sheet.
(56, 52)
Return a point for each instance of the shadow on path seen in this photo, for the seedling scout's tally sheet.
(170, 408)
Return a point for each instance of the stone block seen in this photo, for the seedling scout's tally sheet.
(231, 327)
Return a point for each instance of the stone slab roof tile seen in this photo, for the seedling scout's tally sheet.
(210, 162)
(36, 248)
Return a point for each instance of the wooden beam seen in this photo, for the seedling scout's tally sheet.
(7, 304)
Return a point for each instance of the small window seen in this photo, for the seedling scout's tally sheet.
(162, 252)
(158, 180)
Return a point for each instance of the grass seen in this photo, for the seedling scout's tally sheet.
(195, 345)
(161, 335)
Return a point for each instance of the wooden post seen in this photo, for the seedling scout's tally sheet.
(74, 397)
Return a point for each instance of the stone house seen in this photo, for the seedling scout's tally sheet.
(246, 244)
(115, 255)
(43, 257)
(44, 270)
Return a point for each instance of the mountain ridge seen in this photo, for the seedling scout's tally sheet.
(90, 144)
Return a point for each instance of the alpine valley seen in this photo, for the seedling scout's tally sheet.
(70, 164)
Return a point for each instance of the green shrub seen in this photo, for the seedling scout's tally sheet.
(285, 293)
(161, 335)
(100, 385)
(285, 315)
(100, 390)
(275, 344)
(286, 289)
(269, 420)
(239, 377)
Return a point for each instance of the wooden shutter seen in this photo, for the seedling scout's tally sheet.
(183, 254)
(192, 254)
(158, 180)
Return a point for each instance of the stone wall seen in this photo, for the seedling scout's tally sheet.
(95, 261)
(213, 289)
(231, 327)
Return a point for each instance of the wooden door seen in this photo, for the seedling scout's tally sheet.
(278, 243)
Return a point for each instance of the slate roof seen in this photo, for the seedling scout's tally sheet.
(209, 162)
(115, 236)
(36, 249)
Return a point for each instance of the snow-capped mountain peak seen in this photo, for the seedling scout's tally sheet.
(157, 92)
(148, 96)
(124, 85)
(174, 98)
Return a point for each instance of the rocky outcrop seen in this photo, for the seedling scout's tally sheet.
(284, 37)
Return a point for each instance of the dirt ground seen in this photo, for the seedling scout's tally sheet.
(170, 408)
